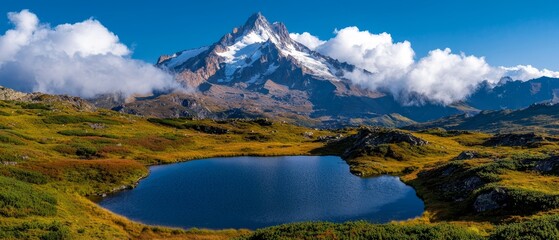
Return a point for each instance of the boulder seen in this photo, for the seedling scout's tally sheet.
(466, 155)
(460, 189)
(492, 200)
(548, 166)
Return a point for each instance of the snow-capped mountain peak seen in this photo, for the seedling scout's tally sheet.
(252, 53)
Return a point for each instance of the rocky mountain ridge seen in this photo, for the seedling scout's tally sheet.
(258, 71)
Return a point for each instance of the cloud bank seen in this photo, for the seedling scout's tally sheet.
(441, 77)
(83, 59)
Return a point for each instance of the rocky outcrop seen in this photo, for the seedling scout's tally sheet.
(368, 140)
(517, 140)
(546, 166)
(492, 200)
(77, 103)
(460, 189)
(466, 155)
(10, 94)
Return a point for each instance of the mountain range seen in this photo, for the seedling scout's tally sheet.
(258, 70)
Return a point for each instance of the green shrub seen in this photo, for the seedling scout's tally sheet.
(68, 119)
(10, 140)
(362, 230)
(541, 228)
(2, 113)
(35, 106)
(83, 133)
(65, 149)
(529, 201)
(23, 175)
(56, 231)
(19, 199)
(85, 150)
(35, 230)
(182, 123)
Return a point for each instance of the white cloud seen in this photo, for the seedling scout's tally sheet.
(446, 77)
(374, 52)
(307, 39)
(441, 76)
(526, 72)
(83, 59)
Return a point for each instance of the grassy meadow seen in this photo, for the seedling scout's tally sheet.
(54, 159)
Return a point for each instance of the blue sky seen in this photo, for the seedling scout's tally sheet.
(505, 32)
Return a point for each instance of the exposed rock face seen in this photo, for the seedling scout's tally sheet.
(459, 190)
(495, 199)
(74, 102)
(454, 181)
(465, 155)
(516, 140)
(10, 94)
(368, 139)
(548, 166)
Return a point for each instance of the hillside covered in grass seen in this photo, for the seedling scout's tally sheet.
(55, 156)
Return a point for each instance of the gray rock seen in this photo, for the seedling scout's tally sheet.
(495, 199)
(466, 155)
(550, 165)
(461, 189)
(368, 138)
(517, 140)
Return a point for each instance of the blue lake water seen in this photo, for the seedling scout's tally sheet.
(255, 192)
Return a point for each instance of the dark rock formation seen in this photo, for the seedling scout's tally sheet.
(547, 166)
(516, 140)
(465, 155)
(369, 139)
(492, 200)
(459, 189)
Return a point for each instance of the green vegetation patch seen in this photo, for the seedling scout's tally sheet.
(19, 199)
(2, 113)
(34, 229)
(68, 119)
(23, 175)
(159, 143)
(40, 106)
(362, 230)
(10, 140)
(96, 176)
(183, 123)
(546, 227)
(80, 148)
(84, 133)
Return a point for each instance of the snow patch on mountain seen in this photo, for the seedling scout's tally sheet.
(247, 49)
(179, 58)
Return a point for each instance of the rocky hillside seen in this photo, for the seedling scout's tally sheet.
(7, 94)
(538, 117)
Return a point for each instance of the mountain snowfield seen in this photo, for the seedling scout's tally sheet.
(249, 44)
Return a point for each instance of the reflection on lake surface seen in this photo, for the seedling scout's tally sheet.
(255, 192)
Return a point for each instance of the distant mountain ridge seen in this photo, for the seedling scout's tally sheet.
(257, 70)
(543, 117)
(515, 94)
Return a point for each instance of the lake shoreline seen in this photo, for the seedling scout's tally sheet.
(334, 190)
